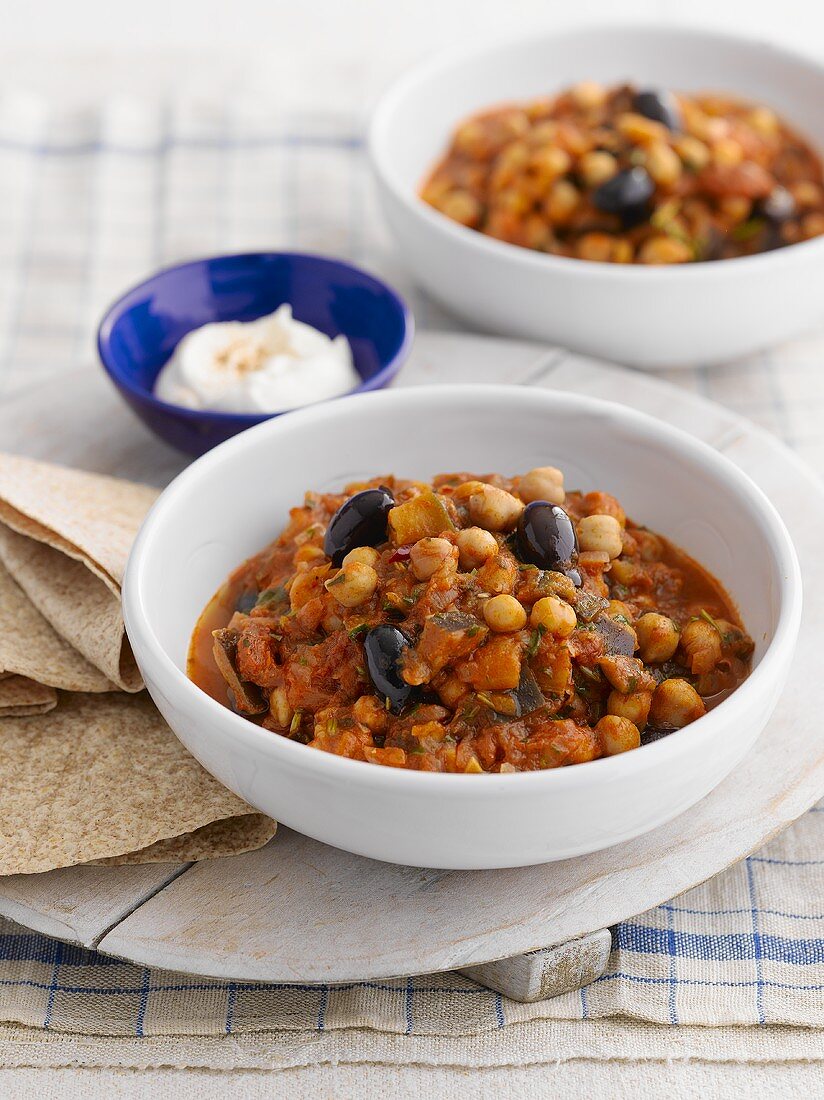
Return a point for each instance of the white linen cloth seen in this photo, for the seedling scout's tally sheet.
(90, 203)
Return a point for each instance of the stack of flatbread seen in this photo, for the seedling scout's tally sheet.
(89, 771)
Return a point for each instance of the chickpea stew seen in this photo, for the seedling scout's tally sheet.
(470, 624)
(626, 175)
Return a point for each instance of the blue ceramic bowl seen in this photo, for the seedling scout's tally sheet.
(141, 330)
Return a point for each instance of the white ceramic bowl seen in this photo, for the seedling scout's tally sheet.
(233, 501)
(647, 316)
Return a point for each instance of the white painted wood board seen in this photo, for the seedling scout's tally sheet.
(298, 910)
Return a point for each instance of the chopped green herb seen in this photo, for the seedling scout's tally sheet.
(620, 591)
(487, 702)
(472, 631)
(294, 725)
(535, 641)
(705, 615)
(747, 230)
(271, 596)
(357, 631)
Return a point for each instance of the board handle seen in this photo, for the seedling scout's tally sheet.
(547, 972)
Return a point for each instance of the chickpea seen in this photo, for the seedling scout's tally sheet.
(494, 509)
(727, 152)
(617, 734)
(588, 94)
(626, 573)
(428, 555)
(675, 704)
(664, 250)
(354, 584)
(597, 167)
(555, 616)
(475, 546)
(622, 251)
(664, 164)
(369, 712)
(562, 201)
(600, 532)
(595, 246)
(806, 193)
(451, 691)
(366, 555)
(618, 607)
(551, 163)
(279, 708)
(462, 207)
(467, 488)
(306, 554)
(764, 121)
(634, 707)
(657, 638)
(701, 644)
(693, 153)
(542, 483)
(737, 208)
(641, 130)
(504, 614)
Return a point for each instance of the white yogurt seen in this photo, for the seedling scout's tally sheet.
(263, 366)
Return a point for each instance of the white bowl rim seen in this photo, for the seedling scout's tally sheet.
(604, 769)
(570, 266)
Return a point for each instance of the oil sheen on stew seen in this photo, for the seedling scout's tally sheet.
(470, 624)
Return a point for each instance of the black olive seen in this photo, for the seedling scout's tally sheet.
(660, 106)
(626, 194)
(778, 206)
(384, 647)
(546, 537)
(360, 521)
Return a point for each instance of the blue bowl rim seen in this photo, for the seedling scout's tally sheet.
(114, 311)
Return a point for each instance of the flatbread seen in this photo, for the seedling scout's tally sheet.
(65, 537)
(31, 647)
(103, 776)
(81, 608)
(90, 517)
(20, 696)
(230, 837)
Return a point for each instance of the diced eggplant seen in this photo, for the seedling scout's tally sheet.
(588, 605)
(447, 637)
(528, 693)
(248, 698)
(618, 637)
(506, 705)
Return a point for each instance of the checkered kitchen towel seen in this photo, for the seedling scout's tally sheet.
(746, 948)
(89, 204)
